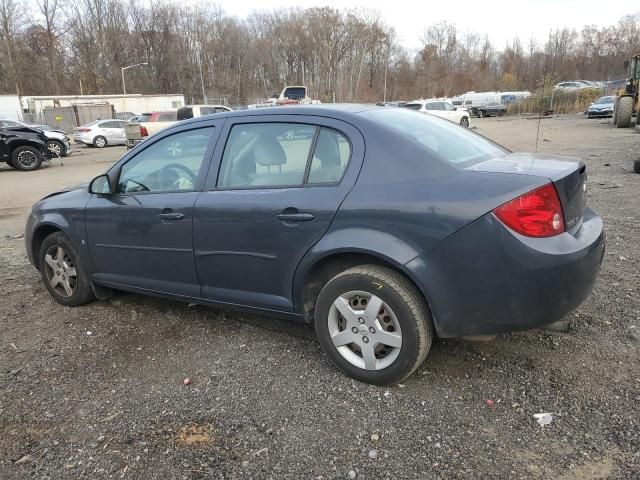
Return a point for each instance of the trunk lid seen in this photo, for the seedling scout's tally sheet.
(568, 175)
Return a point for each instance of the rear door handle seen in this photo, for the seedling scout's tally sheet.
(295, 217)
(171, 216)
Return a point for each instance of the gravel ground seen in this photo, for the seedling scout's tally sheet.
(98, 391)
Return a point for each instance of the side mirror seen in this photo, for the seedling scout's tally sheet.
(455, 108)
(101, 185)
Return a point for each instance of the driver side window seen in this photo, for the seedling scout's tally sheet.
(170, 164)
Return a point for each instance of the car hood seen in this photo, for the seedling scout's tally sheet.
(72, 188)
(601, 106)
(540, 165)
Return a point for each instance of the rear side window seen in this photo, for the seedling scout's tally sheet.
(330, 157)
(262, 155)
(167, 117)
(444, 139)
(272, 155)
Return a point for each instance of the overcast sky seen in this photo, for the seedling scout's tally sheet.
(501, 19)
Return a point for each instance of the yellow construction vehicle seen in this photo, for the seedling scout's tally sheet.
(627, 102)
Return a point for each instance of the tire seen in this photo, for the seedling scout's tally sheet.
(99, 142)
(624, 112)
(464, 122)
(480, 114)
(26, 158)
(401, 317)
(56, 148)
(615, 111)
(636, 166)
(57, 271)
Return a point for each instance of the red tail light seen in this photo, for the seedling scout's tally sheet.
(143, 131)
(83, 129)
(534, 214)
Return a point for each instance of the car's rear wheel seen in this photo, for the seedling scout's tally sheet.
(373, 324)
(62, 271)
(99, 142)
(26, 158)
(56, 148)
(464, 122)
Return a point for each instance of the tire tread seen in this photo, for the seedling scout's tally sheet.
(411, 297)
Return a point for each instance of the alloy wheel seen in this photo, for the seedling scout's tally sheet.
(55, 148)
(61, 272)
(364, 330)
(27, 159)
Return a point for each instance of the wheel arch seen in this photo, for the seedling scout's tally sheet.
(39, 234)
(314, 275)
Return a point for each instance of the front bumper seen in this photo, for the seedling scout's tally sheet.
(599, 113)
(487, 280)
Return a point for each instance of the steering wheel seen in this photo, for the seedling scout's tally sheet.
(176, 166)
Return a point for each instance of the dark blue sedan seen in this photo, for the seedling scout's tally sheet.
(382, 226)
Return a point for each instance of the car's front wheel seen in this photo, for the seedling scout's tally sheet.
(464, 122)
(26, 158)
(62, 271)
(56, 148)
(373, 324)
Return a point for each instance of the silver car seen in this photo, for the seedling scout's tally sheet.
(101, 133)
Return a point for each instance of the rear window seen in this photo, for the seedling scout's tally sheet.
(185, 112)
(445, 139)
(413, 106)
(167, 117)
(145, 117)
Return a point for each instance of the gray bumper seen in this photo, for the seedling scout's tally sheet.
(487, 280)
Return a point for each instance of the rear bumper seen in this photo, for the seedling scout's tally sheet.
(133, 142)
(487, 280)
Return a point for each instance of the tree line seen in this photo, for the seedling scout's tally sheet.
(72, 46)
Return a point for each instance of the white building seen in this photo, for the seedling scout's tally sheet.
(135, 103)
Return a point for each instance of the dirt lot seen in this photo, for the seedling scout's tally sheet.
(97, 392)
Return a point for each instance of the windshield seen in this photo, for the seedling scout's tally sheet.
(605, 100)
(445, 139)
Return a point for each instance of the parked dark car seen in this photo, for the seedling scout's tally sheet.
(24, 148)
(602, 107)
(383, 228)
(491, 109)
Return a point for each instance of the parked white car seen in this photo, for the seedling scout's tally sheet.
(441, 109)
(57, 141)
(101, 133)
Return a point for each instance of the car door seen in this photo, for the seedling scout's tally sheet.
(280, 182)
(450, 112)
(141, 236)
(434, 108)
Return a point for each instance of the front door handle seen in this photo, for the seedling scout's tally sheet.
(171, 216)
(295, 217)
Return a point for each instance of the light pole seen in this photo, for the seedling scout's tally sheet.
(124, 89)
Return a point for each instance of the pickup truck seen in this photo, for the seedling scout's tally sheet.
(149, 123)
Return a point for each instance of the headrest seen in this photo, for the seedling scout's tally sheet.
(269, 152)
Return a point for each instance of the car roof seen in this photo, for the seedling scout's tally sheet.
(340, 111)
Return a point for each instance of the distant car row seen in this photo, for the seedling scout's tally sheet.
(579, 84)
(57, 141)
